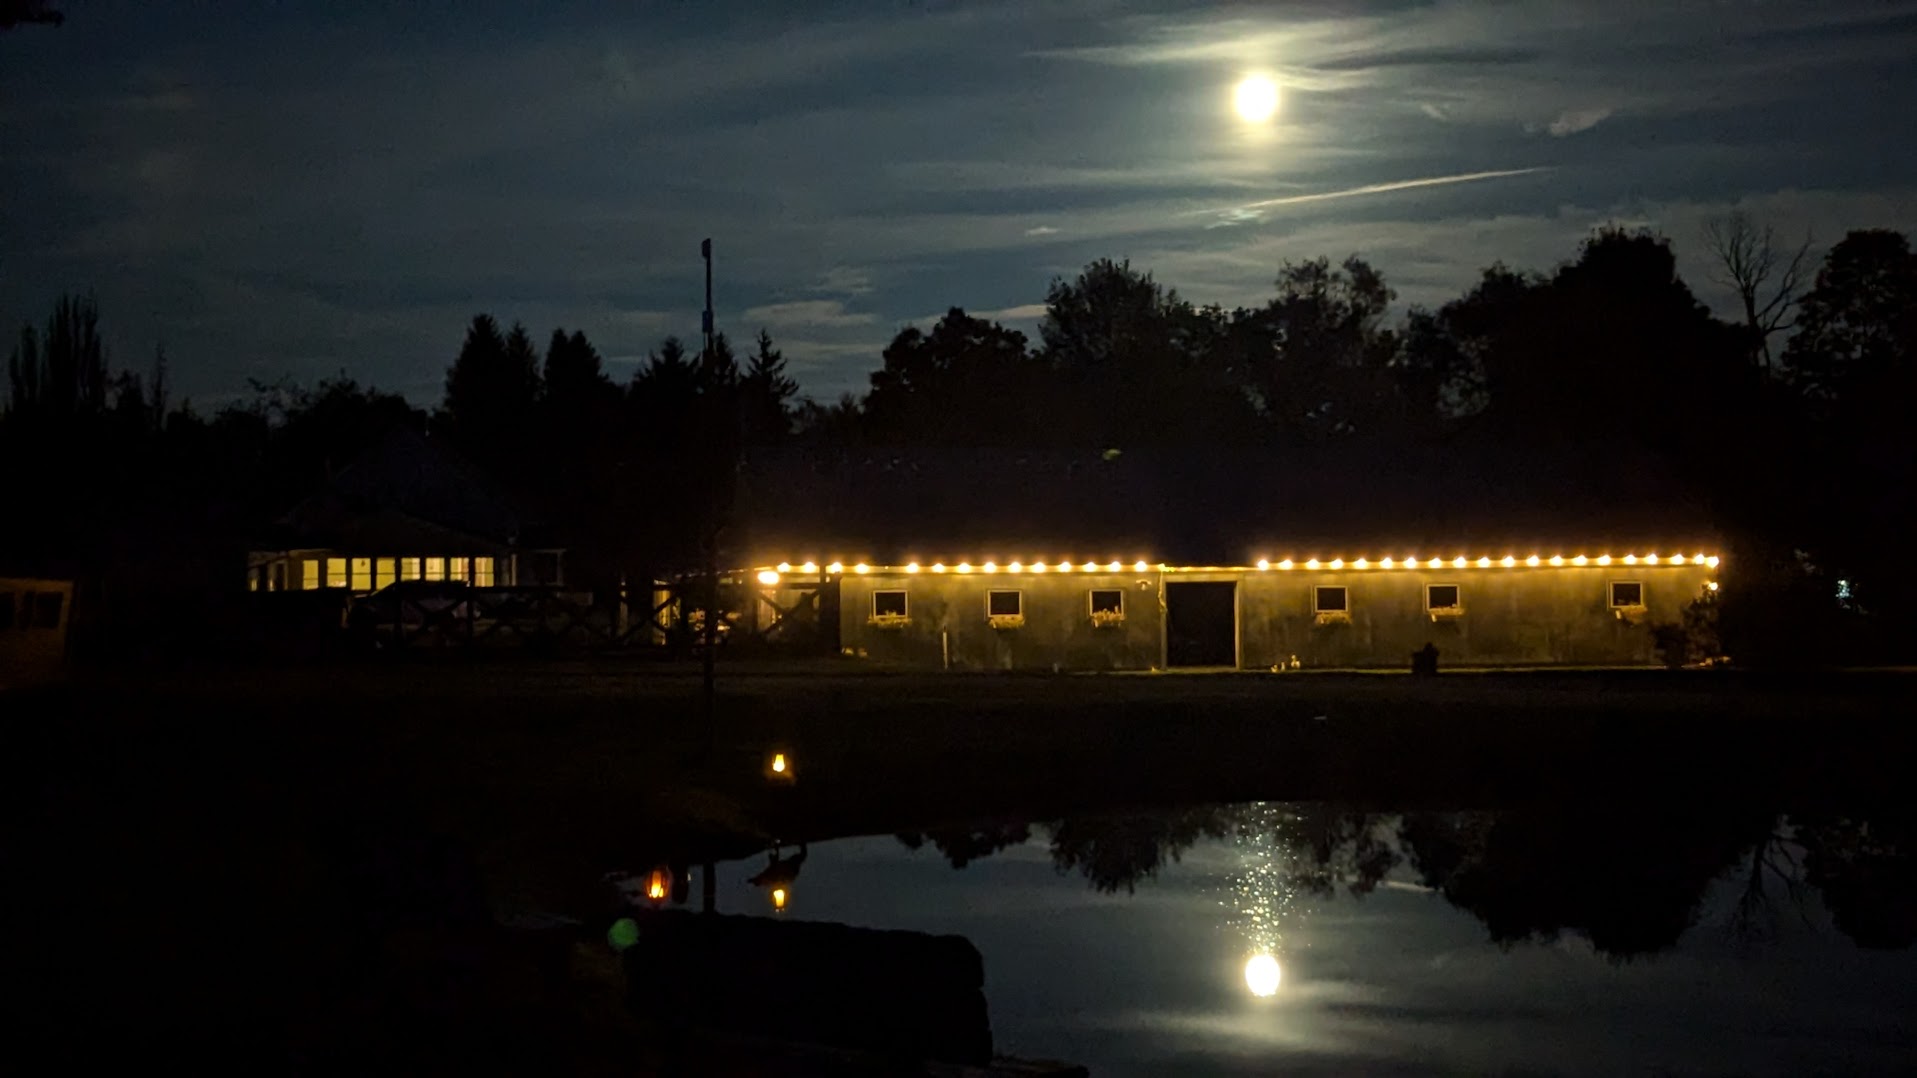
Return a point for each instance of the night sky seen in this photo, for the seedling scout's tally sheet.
(288, 190)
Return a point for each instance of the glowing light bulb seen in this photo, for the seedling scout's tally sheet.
(1139, 567)
(911, 567)
(778, 898)
(1710, 585)
(990, 567)
(1458, 562)
(1091, 567)
(785, 566)
(1064, 567)
(1604, 559)
(778, 763)
(1557, 559)
(837, 568)
(1038, 567)
(1509, 561)
(1286, 564)
(1263, 564)
(1532, 561)
(1711, 561)
(1650, 559)
(1337, 563)
(1113, 567)
(1677, 559)
(1387, 564)
(1411, 563)
(938, 566)
(965, 567)
(1361, 564)
(1630, 559)
(861, 568)
(1015, 567)
(1484, 563)
(809, 567)
(1311, 563)
(768, 577)
(1580, 560)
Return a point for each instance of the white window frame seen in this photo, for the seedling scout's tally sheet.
(1091, 601)
(1318, 607)
(1454, 608)
(905, 601)
(1610, 594)
(1020, 592)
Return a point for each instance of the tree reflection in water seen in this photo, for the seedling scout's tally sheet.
(1630, 876)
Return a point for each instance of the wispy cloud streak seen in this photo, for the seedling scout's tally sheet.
(1372, 189)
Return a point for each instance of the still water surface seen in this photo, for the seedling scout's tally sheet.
(1258, 939)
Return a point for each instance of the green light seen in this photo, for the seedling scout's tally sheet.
(623, 933)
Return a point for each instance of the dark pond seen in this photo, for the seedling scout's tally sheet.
(1611, 939)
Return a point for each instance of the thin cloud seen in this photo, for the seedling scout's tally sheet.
(1042, 230)
(1571, 121)
(1244, 211)
(844, 281)
(808, 312)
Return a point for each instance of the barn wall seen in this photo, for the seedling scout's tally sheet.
(1058, 629)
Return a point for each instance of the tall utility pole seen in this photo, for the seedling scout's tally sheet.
(711, 539)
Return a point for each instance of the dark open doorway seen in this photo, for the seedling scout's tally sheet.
(1201, 623)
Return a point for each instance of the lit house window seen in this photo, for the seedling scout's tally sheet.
(309, 574)
(385, 571)
(459, 569)
(1627, 595)
(1330, 599)
(252, 580)
(362, 574)
(435, 568)
(1443, 599)
(409, 568)
(482, 572)
(336, 572)
(888, 604)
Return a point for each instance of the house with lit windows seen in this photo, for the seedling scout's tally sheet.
(1116, 561)
(406, 510)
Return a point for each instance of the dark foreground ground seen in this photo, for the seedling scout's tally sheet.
(247, 861)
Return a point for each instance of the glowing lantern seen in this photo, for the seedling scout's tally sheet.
(781, 767)
(1064, 567)
(1710, 585)
(768, 577)
(1677, 559)
(658, 885)
(1038, 567)
(1411, 563)
(778, 898)
(1650, 559)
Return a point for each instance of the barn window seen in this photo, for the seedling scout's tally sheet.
(384, 571)
(1330, 599)
(888, 604)
(1441, 598)
(409, 568)
(1108, 601)
(435, 568)
(309, 574)
(336, 572)
(482, 572)
(1626, 594)
(1004, 604)
(459, 569)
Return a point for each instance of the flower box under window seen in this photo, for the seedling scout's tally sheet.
(888, 610)
(1005, 609)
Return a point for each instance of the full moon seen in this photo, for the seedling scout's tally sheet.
(1261, 975)
(1256, 99)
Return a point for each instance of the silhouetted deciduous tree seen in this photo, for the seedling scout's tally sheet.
(967, 382)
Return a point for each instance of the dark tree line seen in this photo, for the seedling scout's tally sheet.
(1788, 423)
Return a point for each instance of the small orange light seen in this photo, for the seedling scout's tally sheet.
(1015, 567)
(1458, 562)
(1532, 561)
(837, 568)
(1090, 567)
(1580, 560)
(809, 567)
(1411, 563)
(658, 884)
(1337, 563)
(1361, 564)
(1064, 567)
(990, 567)
(1630, 559)
(1509, 561)
(1286, 564)
(1038, 567)
(1311, 563)
(768, 577)
(1484, 563)
(1604, 559)
(778, 898)
(1650, 559)
(938, 566)
(1677, 559)
(1557, 559)
(911, 567)
(785, 566)
(1139, 567)
(1263, 564)
(1387, 564)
